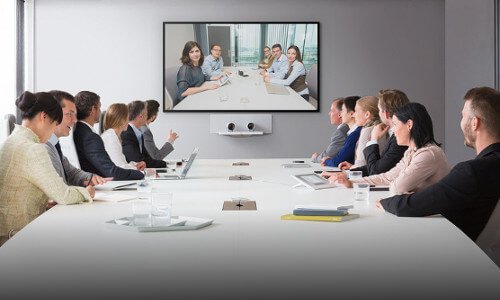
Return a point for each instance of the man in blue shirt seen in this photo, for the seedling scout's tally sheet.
(279, 68)
(213, 63)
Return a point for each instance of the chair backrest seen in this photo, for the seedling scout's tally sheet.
(171, 86)
(101, 122)
(312, 81)
(69, 150)
(7, 126)
(489, 239)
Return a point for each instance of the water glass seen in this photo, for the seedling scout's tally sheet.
(161, 208)
(144, 189)
(141, 212)
(361, 191)
(223, 96)
(355, 175)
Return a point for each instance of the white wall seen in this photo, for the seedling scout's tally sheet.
(7, 57)
(114, 48)
(470, 51)
(176, 36)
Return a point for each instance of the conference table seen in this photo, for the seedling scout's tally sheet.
(244, 93)
(69, 252)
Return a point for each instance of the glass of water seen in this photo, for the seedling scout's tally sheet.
(144, 189)
(161, 209)
(223, 96)
(141, 212)
(361, 191)
(355, 175)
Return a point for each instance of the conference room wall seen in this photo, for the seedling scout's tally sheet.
(114, 48)
(470, 52)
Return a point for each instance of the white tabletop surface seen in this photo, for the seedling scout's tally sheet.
(69, 252)
(244, 93)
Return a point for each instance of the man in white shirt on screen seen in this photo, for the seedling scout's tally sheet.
(279, 68)
(213, 63)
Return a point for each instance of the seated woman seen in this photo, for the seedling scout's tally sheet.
(423, 164)
(116, 122)
(296, 75)
(190, 77)
(346, 153)
(366, 116)
(152, 107)
(27, 177)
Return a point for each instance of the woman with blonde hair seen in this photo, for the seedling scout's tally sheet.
(115, 122)
(366, 116)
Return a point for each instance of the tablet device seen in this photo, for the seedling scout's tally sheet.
(313, 181)
(223, 80)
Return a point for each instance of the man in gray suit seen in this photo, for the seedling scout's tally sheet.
(339, 135)
(70, 174)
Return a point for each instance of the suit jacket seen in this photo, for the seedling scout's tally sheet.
(466, 196)
(336, 142)
(94, 158)
(151, 148)
(69, 174)
(377, 164)
(133, 152)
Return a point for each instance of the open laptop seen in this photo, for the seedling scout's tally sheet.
(163, 176)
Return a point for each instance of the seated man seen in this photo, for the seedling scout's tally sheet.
(469, 193)
(70, 174)
(376, 163)
(133, 138)
(279, 68)
(213, 63)
(268, 59)
(339, 135)
(89, 145)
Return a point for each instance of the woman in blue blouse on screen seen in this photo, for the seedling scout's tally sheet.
(190, 77)
(296, 75)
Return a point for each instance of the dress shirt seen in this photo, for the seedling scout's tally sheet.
(212, 66)
(418, 169)
(138, 134)
(298, 70)
(279, 67)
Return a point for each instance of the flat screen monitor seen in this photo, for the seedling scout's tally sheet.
(241, 67)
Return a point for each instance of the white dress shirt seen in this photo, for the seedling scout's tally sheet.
(113, 146)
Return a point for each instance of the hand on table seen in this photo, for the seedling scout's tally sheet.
(345, 165)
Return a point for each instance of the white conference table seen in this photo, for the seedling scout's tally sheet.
(68, 252)
(244, 93)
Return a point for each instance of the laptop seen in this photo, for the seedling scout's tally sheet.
(163, 176)
(276, 89)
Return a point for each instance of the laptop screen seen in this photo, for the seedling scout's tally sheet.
(190, 162)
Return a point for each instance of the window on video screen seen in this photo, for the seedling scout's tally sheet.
(241, 67)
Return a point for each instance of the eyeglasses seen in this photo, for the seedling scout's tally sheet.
(217, 50)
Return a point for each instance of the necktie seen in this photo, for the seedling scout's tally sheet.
(58, 148)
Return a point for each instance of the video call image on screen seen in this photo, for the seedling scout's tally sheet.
(240, 66)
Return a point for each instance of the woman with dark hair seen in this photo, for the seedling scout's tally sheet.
(296, 75)
(27, 177)
(423, 164)
(152, 107)
(190, 77)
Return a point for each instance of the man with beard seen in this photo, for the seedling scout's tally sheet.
(468, 195)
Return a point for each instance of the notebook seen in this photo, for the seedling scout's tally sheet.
(276, 89)
(163, 176)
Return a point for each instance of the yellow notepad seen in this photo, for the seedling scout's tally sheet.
(320, 218)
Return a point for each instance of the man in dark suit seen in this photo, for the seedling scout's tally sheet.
(89, 145)
(469, 193)
(133, 139)
(388, 102)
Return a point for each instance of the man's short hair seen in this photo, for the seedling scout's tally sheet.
(277, 46)
(152, 107)
(135, 108)
(391, 99)
(338, 103)
(485, 105)
(267, 47)
(213, 45)
(61, 95)
(84, 102)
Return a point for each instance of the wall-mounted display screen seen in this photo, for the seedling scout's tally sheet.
(250, 67)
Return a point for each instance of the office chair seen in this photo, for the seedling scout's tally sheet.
(489, 239)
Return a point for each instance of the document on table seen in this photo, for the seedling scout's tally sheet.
(113, 196)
